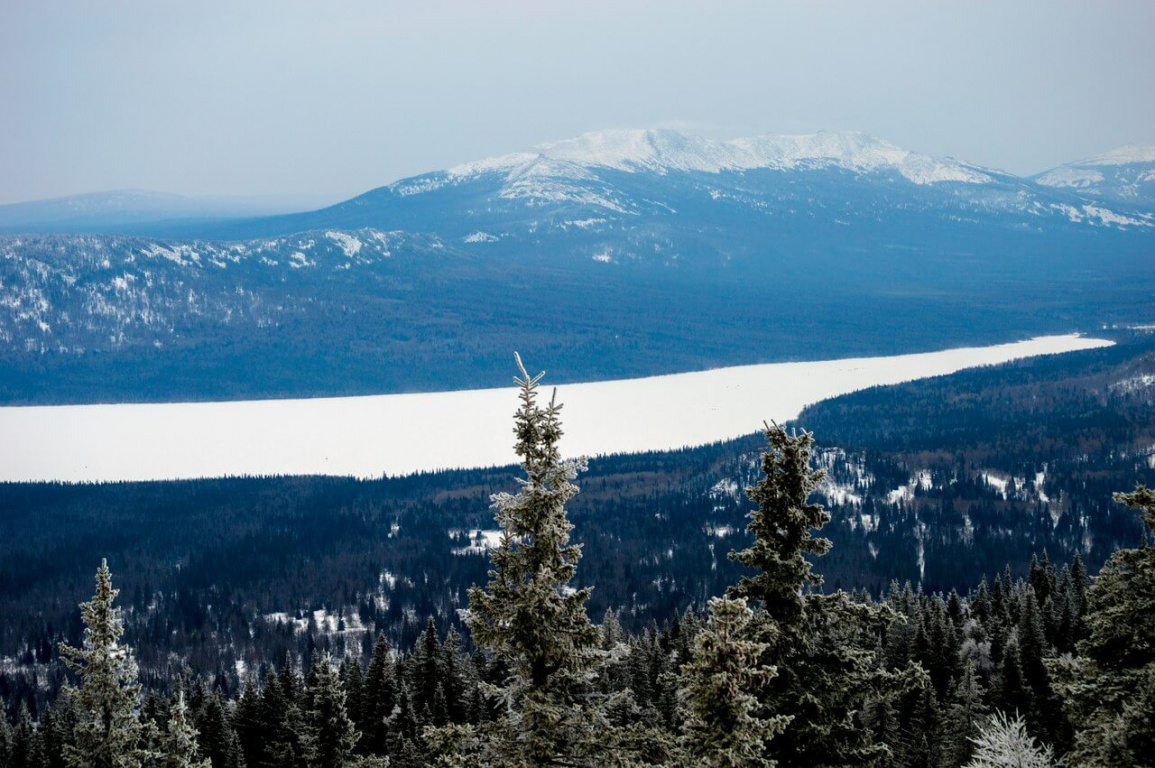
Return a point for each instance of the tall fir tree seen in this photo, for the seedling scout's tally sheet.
(781, 527)
(281, 725)
(56, 730)
(1045, 716)
(921, 740)
(215, 735)
(108, 732)
(529, 615)
(353, 678)
(532, 619)
(426, 666)
(1109, 689)
(456, 680)
(1013, 693)
(5, 739)
(248, 719)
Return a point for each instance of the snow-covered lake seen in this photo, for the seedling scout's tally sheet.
(399, 434)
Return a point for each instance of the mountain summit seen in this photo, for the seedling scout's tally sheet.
(667, 150)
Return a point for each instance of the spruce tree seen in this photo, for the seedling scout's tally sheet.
(5, 739)
(781, 527)
(353, 678)
(331, 734)
(921, 740)
(533, 621)
(56, 729)
(722, 681)
(529, 615)
(214, 732)
(108, 732)
(426, 665)
(1005, 743)
(380, 697)
(248, 720)
(1045, 718)
(967, 713)
(1013, 693)
(1109, 690)
(456, 681)
(823, 646)
(23, 742)
(281, 724)
(177, 744)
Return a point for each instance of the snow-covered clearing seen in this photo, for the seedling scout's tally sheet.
(400, 434)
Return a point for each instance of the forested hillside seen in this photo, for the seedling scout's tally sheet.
(936, 482)
(782, 669)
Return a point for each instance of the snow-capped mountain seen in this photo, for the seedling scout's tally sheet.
(635, 178)
(1126, 175)
(338, 299)
(662, 151)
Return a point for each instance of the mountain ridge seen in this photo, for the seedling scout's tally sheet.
(545, 172)
(648, 252)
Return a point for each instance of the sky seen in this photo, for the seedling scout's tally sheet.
(320, 101)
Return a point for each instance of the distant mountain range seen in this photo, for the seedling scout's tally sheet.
(120, 210)
(615, 253)
(580, 172)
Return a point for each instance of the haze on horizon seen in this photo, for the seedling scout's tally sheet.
(324, 101)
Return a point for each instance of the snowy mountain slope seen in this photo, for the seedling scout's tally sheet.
(664, 150)
(440, 266)
(642, 180)
(1126, 175)
(70, 295)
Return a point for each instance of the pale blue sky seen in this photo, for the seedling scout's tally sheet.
(310, 98)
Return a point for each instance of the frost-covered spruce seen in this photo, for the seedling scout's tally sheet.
(108, 732)
(177, 747)
(529, 615)
(532, 619)
(721, 680)
(823, 646)
(1005, 743)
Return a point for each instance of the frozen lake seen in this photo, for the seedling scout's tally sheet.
(399, 434)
